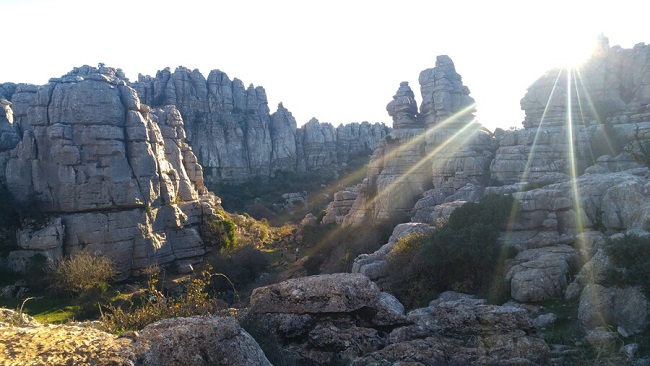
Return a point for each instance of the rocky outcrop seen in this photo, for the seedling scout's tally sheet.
(608, 95)
(235, 137)
(178, 341)
(345, 317)
(197, 341)
(117, 174)
(444, 97)
(340, 206)
(403, 108)
(451, 154)
(540, 274)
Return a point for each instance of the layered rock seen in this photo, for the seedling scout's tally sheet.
(445, 100)
(345, 317)
(575, 116)
(9, 132)
(452, 153)
(119, 176)
(340, 206)
(403, 108)
(235, 137)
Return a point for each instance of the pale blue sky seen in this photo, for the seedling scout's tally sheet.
(339, 61)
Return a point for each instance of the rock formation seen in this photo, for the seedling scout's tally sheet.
(115, 174)
(345, 317)
(235, 137)
(179, 341)
(451, 153)
(578, 168)
(608, 105)
(444, 95)
(403, 108)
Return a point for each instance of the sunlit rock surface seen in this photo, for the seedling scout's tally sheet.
(235, 136)
(118, 175)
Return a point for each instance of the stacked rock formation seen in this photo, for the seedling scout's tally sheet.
(116, 175)
(441, 148)
(235, 137)
(403, 108)
(444, 95)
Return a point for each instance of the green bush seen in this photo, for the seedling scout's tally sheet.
(219, 233)
(82, 272)
(241, 266)
(464, 255)
(332, 248)
(631, 257)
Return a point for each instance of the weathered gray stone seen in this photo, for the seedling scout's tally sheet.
(236, 138)
(403, 108)
(197, 341)
(344, 293)
(115, 174)
(540, 274)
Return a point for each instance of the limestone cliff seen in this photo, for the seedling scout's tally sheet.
(118, 176)
(579, 169)
(235, 136)
(441, 148)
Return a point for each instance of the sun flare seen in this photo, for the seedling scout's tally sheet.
(572, 53)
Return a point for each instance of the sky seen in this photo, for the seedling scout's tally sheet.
(340, 61)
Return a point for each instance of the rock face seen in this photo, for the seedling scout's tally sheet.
(235, 137)
(345, 317)
(118, 175)
(452, 153)
(374, 265)
(613, 82)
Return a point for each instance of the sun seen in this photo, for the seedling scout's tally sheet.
(572, 52)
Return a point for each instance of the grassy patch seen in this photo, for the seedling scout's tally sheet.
(45, 309)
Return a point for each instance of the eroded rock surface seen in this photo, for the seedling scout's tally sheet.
(117, 175)
(369, 327)
(235, 136)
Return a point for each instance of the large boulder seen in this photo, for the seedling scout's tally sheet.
(540, 274)
(197, 341)
(343, 292)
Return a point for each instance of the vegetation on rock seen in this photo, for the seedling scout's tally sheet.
(464, 255)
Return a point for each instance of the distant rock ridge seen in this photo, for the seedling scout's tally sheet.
(116, 176)
(235, 136)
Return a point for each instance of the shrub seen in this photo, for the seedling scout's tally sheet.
(155, 306)
(631, 257)
(463, 255)
(219, 233)
(82, 272)
(332, 248)
(241, 266)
